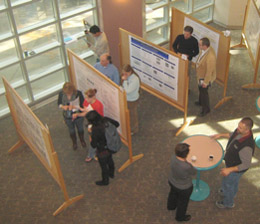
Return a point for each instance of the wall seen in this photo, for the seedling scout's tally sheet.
(126, 14)
(229, 13)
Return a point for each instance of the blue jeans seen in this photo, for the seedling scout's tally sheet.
(230, 187)
(72, 125)
(91, 152)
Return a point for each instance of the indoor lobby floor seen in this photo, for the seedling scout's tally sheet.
(137, 195)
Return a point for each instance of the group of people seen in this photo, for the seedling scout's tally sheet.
(239, 150)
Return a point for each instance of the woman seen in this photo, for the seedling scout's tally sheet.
(91, 103)
(70, 100)
(131, 84)
(98, 141)
(180, 182)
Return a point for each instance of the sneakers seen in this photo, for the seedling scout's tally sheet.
(220, 204)
(184, 219)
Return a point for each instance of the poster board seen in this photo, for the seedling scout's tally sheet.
(31, 131)
(220, 42)
(148, 56)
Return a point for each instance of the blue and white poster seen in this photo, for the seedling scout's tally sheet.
(157, 69)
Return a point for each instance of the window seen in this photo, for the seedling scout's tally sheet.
(158, 16)
(34, 36)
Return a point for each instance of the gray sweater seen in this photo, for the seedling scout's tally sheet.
(180, 173)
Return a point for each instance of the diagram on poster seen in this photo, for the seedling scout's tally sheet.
(156, 68)
(200, 31)
(87, 78)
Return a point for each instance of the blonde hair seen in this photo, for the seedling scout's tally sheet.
(69, 88)
(91, 92)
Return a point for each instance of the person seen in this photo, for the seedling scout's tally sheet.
(180, 182)
(98, 141)
(186, 44)
(91, 103)
(206, 74)
(101, 43)
(239, 151)
(106, 67)
(131, 84)
(70, 100)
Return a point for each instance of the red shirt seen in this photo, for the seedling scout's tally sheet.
(97, 106)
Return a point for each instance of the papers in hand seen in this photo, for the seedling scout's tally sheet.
(75, 104)
(88, 108)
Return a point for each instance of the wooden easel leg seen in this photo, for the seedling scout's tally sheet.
(67, 203)
(251, 86)
(129, 162)
(16, 146)
(186, 124)
(222, 101)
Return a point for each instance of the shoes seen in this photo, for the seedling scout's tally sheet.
(88, 159)
(83, 143)
(203, 113)
(111, 175)
(171, 209)
(102, 183)
(75, 146)
(197, 103)
(220, 204)
(184, 219)
(221, 192)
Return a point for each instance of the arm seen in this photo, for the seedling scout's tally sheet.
(175, 44)
(211, 67)
(114, 122)
(81, 98)
(223, 135)
(131, 86)
(195, 50)
(116, 77)
(63, 107)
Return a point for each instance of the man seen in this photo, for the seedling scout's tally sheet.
(206, 74)
(180, 182)
(186, 44)
(238, 156)
(106, 67)
(101, 44)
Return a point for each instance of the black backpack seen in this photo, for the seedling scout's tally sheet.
(114, 142)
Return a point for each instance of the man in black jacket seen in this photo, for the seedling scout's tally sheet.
(238, 156)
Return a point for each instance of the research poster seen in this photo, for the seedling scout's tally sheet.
(30, 127)
(252, 29)
(200, 31)
(157, 69)
(87, 78)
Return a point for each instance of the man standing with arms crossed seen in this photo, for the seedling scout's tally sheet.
(238, 156)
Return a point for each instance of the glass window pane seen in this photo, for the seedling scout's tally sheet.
(201, 3)
(36, 13)
(13, 75)
(5, 29)
(39, 40)
(156, 17)
(2, 4)
(4, 109)
(44, 63)
(69, 7)
(182, 5)
(48, 84)
(154, 3)
(8, 52)
(158, 36)
(204, 15)
(79, 47)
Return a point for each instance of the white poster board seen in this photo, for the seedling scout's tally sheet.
(200, 31)
(157, 69)
(87, 78)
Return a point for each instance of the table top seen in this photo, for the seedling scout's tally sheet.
(202, 147)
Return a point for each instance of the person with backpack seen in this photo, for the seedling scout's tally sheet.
(99, 141)
(131, 84)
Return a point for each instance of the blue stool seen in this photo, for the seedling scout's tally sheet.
(257, 141)
(257, 103)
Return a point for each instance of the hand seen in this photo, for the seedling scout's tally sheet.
(124, 77)
(70, 107)
(64, 107)
(74, 116)
(204, 85)
(179, 53)
(225, 171)
(86, 32)
(216, 136)
(89, 45)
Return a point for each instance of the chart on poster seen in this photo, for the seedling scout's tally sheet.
(156, 68)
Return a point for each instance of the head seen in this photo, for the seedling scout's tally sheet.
(188, 30)
(90, 95)
(68, 88)
(94, 30)
(204, 43)
(182, 150)
(94, 117)
(245, 126)
(127, 70)
(105, 59)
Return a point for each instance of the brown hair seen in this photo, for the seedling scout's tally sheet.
(91, 92)
(69, 88)
(182, 150)
(205, 41)
(248, 122)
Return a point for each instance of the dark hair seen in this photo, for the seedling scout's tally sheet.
(94, 118)
(94, 29)
(205, 41)
(188, 29)
(182, 150)
(69, 88)
(109, 58)
(91, 92)
(248, 122)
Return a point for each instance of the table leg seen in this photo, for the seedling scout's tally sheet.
(200, 189)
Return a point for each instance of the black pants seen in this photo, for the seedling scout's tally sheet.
(179, 199)
(107, 166)
(204, 99)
